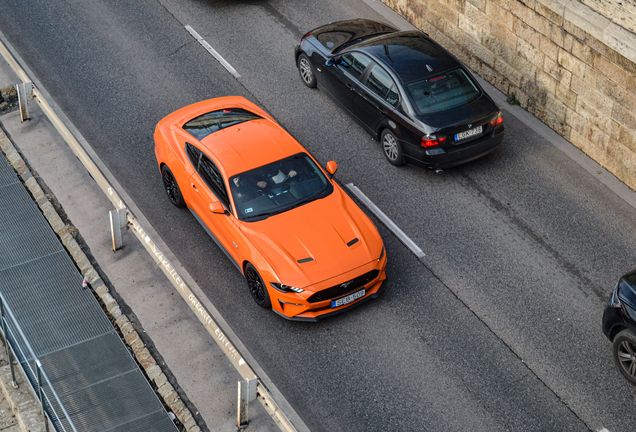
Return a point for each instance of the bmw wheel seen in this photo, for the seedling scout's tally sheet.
(306, 71)
(257, 287)
(171, 187)
(391, 147)
(625, 354)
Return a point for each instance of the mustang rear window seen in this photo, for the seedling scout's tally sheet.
(443, 92)
(211, 122)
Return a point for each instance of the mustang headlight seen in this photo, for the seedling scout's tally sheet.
(285, 288)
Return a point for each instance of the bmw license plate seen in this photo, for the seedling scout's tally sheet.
(348, 299)
(469, 133)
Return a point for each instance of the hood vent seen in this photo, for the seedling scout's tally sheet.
(354, 241)
(304, 260)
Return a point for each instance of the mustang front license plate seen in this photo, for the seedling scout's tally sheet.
(469, 133)
(348, 299)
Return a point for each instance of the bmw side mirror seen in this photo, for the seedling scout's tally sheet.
(330, 62)
(332, 167)
(217, 208)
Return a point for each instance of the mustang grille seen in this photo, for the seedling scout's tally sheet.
(344, 288)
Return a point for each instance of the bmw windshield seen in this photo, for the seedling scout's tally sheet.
(278, 187)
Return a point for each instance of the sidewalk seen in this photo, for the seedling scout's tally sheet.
(192, 365)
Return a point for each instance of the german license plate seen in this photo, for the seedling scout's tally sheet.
(469, 133)
(348, 299)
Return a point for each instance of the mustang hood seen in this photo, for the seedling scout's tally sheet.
(317, 241)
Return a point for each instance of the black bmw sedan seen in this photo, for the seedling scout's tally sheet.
(619, 325)
(406, 90)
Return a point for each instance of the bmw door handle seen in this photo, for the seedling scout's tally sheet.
(381, 109)
(194, 187)
(350, 86)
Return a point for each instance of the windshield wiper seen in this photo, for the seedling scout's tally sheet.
(263, 215)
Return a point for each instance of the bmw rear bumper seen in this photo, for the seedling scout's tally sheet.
(443, 158)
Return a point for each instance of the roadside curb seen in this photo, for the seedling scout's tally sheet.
(167, 393)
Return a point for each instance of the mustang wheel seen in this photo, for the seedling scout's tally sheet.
(257, 287)
(306, 71)
(625, 354)
(391, 148)
(172, 188)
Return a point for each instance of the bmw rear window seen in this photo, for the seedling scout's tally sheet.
(443, 92)
(211, 122)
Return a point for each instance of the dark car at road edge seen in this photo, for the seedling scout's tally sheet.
(619, 325)
(404, 89)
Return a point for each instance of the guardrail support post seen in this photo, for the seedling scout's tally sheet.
(25, 92)
(117, 224)
(246, 394)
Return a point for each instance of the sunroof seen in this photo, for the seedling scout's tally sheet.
(211, 122)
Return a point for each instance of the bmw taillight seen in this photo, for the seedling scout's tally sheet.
(497, 121)
(615, 301)
(432, 141)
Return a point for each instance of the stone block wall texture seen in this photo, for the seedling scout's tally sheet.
(571, 63)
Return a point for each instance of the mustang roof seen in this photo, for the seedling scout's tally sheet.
(249, 145)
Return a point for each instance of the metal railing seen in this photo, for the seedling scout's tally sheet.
(16, 343)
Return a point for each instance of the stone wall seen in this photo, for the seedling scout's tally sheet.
(567, 64)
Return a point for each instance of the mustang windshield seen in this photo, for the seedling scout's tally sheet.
(211, 122)
(443, 92)
(278, 187)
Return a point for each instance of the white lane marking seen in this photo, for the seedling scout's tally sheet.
(212, 51)
(388, 222)
(603, 430)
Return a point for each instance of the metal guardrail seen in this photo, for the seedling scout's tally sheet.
(36, 376)
(200, 311)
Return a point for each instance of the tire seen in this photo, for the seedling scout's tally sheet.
(171, 187)
(257, 287)
(391, 148)
(306, 71)
(625, 354)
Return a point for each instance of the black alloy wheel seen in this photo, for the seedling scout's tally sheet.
(257, 287)
(391, 148)
(625, 354)
(306, 71)
(172, 188)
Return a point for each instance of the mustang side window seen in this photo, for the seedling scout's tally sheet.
(212, 177)
(194, 154)
(381, 84)
(354, 63)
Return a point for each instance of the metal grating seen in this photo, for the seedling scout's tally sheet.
(88, 365)
(25, 234)
(7, 175)
(48, 301)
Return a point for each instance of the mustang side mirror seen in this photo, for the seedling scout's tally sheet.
(332, 167)
(217, 208)
(330, 62)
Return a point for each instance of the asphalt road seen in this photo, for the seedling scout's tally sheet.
(496, 328)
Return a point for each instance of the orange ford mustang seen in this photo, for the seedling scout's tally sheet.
(305, 248)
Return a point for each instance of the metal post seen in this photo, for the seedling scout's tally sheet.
(241, 418)
(25, 92)
(14, 383)
(246, 394)
(117, 224)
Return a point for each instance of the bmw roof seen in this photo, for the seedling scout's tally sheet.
(411, 54)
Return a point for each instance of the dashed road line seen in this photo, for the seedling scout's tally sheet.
(212, 51)
(388, 222)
